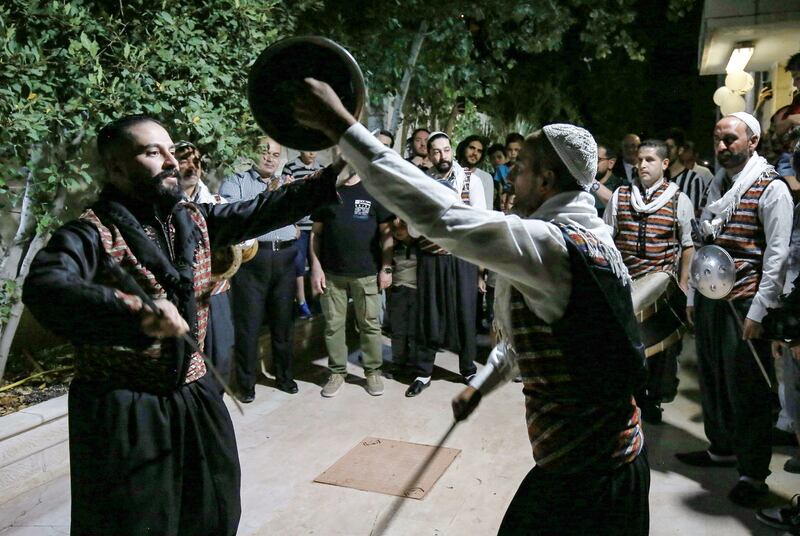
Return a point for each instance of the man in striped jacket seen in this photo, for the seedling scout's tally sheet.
(749, 214)
(652, 223)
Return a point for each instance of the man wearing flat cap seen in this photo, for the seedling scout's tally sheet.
(749, 214)
(558, 271)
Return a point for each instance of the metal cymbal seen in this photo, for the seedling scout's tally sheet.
(713, 272)
(277, 76)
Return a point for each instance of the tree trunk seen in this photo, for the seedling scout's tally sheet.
(25, 248)
(12, 256)
(400, 99)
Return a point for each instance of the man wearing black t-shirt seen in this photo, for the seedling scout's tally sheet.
(351, 253)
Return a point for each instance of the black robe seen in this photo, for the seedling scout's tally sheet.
(149, 462)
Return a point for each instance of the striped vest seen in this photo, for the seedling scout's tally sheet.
(154, 368)
(743, 237)
(648, 242)
(570, 429)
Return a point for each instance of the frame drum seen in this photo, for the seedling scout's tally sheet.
(660, 308)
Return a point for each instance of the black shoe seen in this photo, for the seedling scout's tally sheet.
(748, 494)
(289, 386)
(783, 439)
(701, 458)
(416, 388)
(786, 518)
(245, 397)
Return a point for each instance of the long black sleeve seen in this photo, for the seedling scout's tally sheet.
(61, 292)
(232, 223)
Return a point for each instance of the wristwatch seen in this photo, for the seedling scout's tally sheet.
(387, 270)
(594, 186)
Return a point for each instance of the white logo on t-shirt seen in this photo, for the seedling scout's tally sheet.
(361, 210)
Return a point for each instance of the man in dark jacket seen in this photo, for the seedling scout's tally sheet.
(152, 447)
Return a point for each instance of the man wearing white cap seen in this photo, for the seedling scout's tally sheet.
(446, 285)
(749, 214)
(558, 270)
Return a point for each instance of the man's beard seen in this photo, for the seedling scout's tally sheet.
(599, 175)
(443, 166)
(165, 194)
(729, 159)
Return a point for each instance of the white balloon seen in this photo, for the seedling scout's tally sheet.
(736, 81)
(721, 94)
(750, 83)
(733, 104)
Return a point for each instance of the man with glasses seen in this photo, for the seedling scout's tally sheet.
(264, 288)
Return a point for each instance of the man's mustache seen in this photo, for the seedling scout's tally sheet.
(167, 173)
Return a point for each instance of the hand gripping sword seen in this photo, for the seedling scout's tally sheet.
(129, 284)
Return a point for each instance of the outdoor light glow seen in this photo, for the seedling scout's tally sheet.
(739, 57)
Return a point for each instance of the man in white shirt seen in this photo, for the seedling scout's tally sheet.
(652, 223)
(556, 268)
(470, 153)
(749, 214)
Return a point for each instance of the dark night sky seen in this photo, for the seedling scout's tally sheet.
(662, 92)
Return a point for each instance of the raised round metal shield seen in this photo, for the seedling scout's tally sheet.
(277, 76)
(713, 272)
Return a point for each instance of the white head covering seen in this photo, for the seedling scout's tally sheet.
(577, 149)
(748, 120)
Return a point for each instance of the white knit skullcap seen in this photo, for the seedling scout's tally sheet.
(577, 149)
(748, 120)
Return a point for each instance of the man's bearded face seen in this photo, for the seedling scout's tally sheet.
(731, 142)
(441, 155)
(146, 167)
(473, 153)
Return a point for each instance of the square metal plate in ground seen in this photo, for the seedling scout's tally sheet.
(391, 467)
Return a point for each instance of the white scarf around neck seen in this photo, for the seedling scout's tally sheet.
(656, 204)
(725, 205)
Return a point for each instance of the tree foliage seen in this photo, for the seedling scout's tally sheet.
(474, 48)
(69, 66)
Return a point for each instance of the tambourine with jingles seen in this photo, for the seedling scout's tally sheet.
(226, 262)
(277, 77)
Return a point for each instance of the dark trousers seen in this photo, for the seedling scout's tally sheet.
(611, 504)
(447, 305)
(263, 290)
(735, 397)
(142, 463)
(402, 310)
(219, 339)
(301, 258)
(662, 376)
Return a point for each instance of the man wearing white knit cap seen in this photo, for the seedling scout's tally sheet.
(749, 214)
(558, 271)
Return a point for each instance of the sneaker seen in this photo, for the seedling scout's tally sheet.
(374, 383)
(468, 378)
(786, 518)
(305, 312)
(333, 385)
(748, 494)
